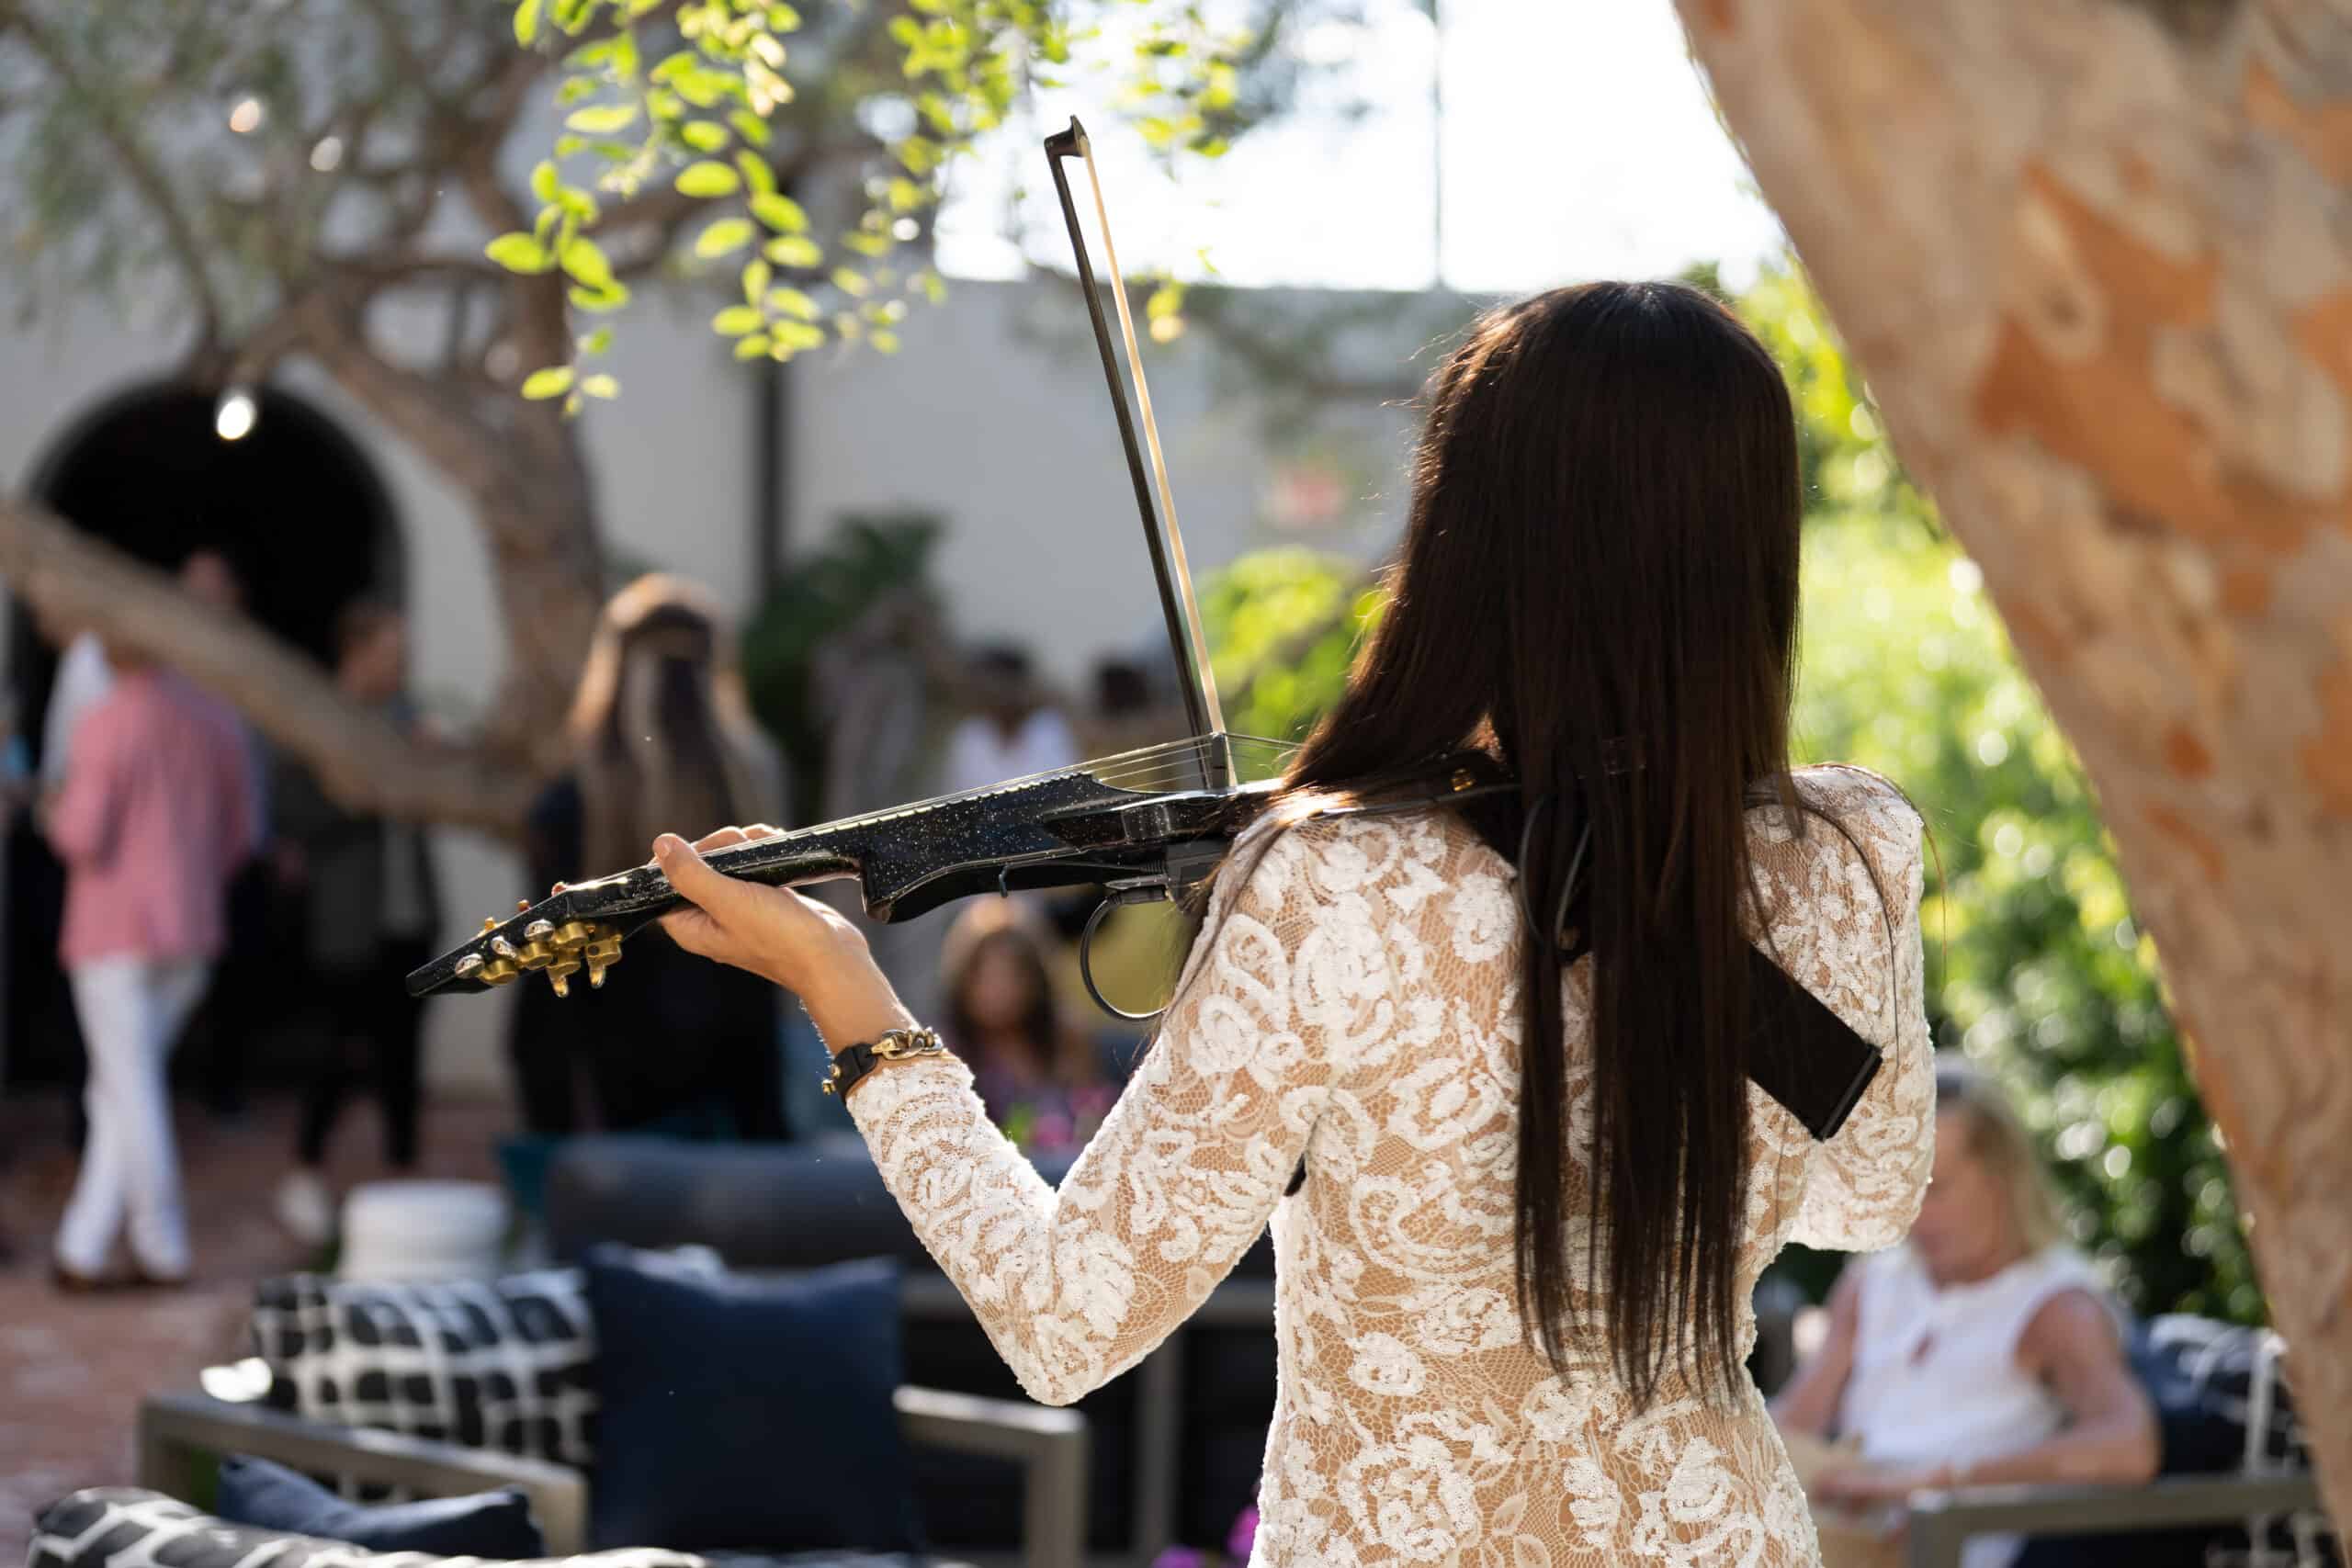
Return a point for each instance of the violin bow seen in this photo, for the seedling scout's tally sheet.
(1159, 531)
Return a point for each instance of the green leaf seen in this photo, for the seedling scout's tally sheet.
(600, 385)
(588, 264)
(883, 341)
(597, 342)
(798, 334)
(565, 146)
(571, 405)
(545, 182)
(704, 135)
(752, 347)
(867, 244)
(596, 303)
(920, 154)
(905, 195)
(575, 89)
(751, 127)
(708, 179)
(1167, 300)
(757, 177)
(849, 282)
(723, 238)
(704, 89)
(603, 119)
(780, 212)
(794, 249)
(552, 382)
(756, 276)
(792, 302)
(933, 287)
(518, 252)
(782, 19)
(736, 320)
(527, 22)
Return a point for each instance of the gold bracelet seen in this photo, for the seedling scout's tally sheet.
(851, 1064)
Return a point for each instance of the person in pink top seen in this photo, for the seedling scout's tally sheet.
(155, 818)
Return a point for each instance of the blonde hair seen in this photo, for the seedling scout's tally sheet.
(2001, 1141)
(660, 728)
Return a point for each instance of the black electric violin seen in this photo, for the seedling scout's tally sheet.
(1146, 825)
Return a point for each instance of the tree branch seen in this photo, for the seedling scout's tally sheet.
(361, 760)
(418, 407)
(139, 168)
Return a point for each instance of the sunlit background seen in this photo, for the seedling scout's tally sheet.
(1488, 146)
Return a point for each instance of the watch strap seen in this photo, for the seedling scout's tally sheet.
(852, 1063)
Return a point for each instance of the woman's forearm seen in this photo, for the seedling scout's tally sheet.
(2118, 1451)
(1809, 1402)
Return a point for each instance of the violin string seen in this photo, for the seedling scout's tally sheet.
(1144, 769)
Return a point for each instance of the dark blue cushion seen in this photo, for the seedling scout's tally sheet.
(747, 1413)
(495, 1525)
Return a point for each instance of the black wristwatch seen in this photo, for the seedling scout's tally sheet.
(854, 1062)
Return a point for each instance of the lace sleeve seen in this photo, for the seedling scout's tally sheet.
(1859, 896)
(1075, 1286)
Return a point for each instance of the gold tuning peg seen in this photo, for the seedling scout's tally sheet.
(602, 950)
(561, 969)
(522, 906)
(489, 924)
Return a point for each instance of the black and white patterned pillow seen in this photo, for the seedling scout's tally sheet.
(506, 1364)
(118, 1526)
(121, 1527)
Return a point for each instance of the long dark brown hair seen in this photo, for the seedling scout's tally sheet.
(664, 738)
(1598, 588)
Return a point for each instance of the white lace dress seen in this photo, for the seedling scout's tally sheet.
(1357, 1006)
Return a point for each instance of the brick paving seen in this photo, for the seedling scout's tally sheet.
(73, 1368)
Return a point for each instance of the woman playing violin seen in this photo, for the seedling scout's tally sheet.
(1504, 1048)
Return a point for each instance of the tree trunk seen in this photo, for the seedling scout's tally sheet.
(360, 759)
(2096, 259)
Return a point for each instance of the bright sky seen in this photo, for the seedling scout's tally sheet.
(1576, 142)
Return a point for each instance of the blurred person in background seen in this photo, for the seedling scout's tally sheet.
(154, 815)
(1013, 731)
(661, 733)
(85, 675)
(83, 680)
(373, 912)
(1038, 1077)
(247, 976)
(1982, 1352)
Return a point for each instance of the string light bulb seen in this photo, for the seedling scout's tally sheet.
(233, 415)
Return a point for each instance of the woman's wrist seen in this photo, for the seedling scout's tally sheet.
(858, 1018)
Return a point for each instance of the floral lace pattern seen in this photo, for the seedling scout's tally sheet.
(1356, 1004)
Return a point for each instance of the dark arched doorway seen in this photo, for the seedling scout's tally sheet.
(294, 505)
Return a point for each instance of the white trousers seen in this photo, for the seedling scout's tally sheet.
(131, 1010)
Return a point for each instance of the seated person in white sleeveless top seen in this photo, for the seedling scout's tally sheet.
(1982, 1352)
